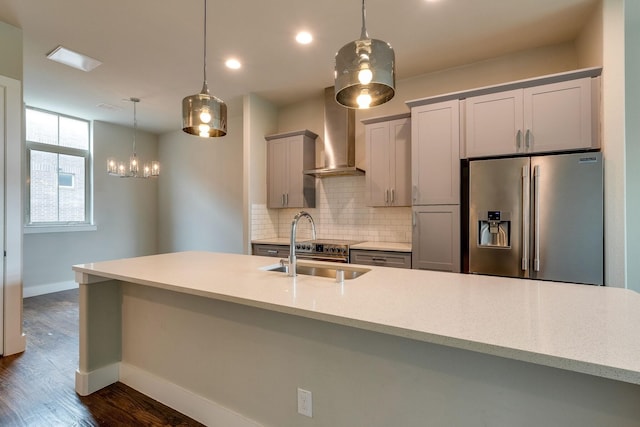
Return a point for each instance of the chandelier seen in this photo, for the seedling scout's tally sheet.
(133, 170)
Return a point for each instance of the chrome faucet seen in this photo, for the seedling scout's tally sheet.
(292, 249)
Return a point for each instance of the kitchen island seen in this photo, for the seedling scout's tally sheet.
(220, 339)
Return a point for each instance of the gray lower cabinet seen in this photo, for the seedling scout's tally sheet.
(381, 258)
(436, 238)
(280, 251)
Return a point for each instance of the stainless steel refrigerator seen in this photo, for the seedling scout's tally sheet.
(537, 217)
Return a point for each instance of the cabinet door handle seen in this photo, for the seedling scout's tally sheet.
(527, 139)
(379, 259)
(415, 193)
(519, 139)
(386, 196)
(393, 195)
(525, 217)
(272, 251)
(286, 198)
(413, 222)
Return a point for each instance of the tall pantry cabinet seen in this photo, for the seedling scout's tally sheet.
(435, 170)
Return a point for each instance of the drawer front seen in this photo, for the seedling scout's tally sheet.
(271, 250)
(381, 258)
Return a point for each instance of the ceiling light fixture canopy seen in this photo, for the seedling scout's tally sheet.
(204, 114)
(365, 71)
(120, 169)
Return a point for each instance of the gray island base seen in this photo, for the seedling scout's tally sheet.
(225, 342)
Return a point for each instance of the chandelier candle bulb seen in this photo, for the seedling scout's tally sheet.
(112, 166)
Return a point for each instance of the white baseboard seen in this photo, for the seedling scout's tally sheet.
(182, 400)
(89, 382)
(48, 288)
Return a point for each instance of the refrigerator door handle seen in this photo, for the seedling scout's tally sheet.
(536, 223)
(525, 217)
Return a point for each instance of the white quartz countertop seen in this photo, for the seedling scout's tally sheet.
(383, 246)
(588, 329)
(273, 241)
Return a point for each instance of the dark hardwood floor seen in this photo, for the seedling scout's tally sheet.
(37, 386)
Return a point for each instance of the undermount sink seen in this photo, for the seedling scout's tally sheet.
(338, 273)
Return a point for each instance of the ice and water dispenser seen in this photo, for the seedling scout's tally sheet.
(494, 229)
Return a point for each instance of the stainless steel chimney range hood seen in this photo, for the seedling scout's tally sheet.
(339, 140)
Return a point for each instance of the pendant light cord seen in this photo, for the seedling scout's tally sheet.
(135, 124)
(363, 33)
(205, 89)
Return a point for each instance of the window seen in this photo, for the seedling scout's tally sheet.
(58, 166)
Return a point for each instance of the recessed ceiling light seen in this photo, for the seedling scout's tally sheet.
(73, 59)
(233, 63)
(304, 37)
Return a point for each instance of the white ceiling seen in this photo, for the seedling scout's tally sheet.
(152, 49)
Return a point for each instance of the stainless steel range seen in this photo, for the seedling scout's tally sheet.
(325, 250)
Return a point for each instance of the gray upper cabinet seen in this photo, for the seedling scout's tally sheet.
(435, 153)
(388, 178)
(288, 154)
(551, 117)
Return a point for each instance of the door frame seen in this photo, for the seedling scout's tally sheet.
(13, 149)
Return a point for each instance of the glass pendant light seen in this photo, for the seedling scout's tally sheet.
(204, 114)
(365, 71)
(119, 168)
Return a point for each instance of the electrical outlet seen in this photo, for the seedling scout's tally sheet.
(305, 405)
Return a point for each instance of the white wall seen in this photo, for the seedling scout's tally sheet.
(125, 212)
(632, 126)
(259, 119)
(10, 51)
(614, 142)
(200, 194)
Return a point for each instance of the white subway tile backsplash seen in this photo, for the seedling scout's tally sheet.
(341, 213)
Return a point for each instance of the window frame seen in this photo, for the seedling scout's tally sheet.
(55, 226)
